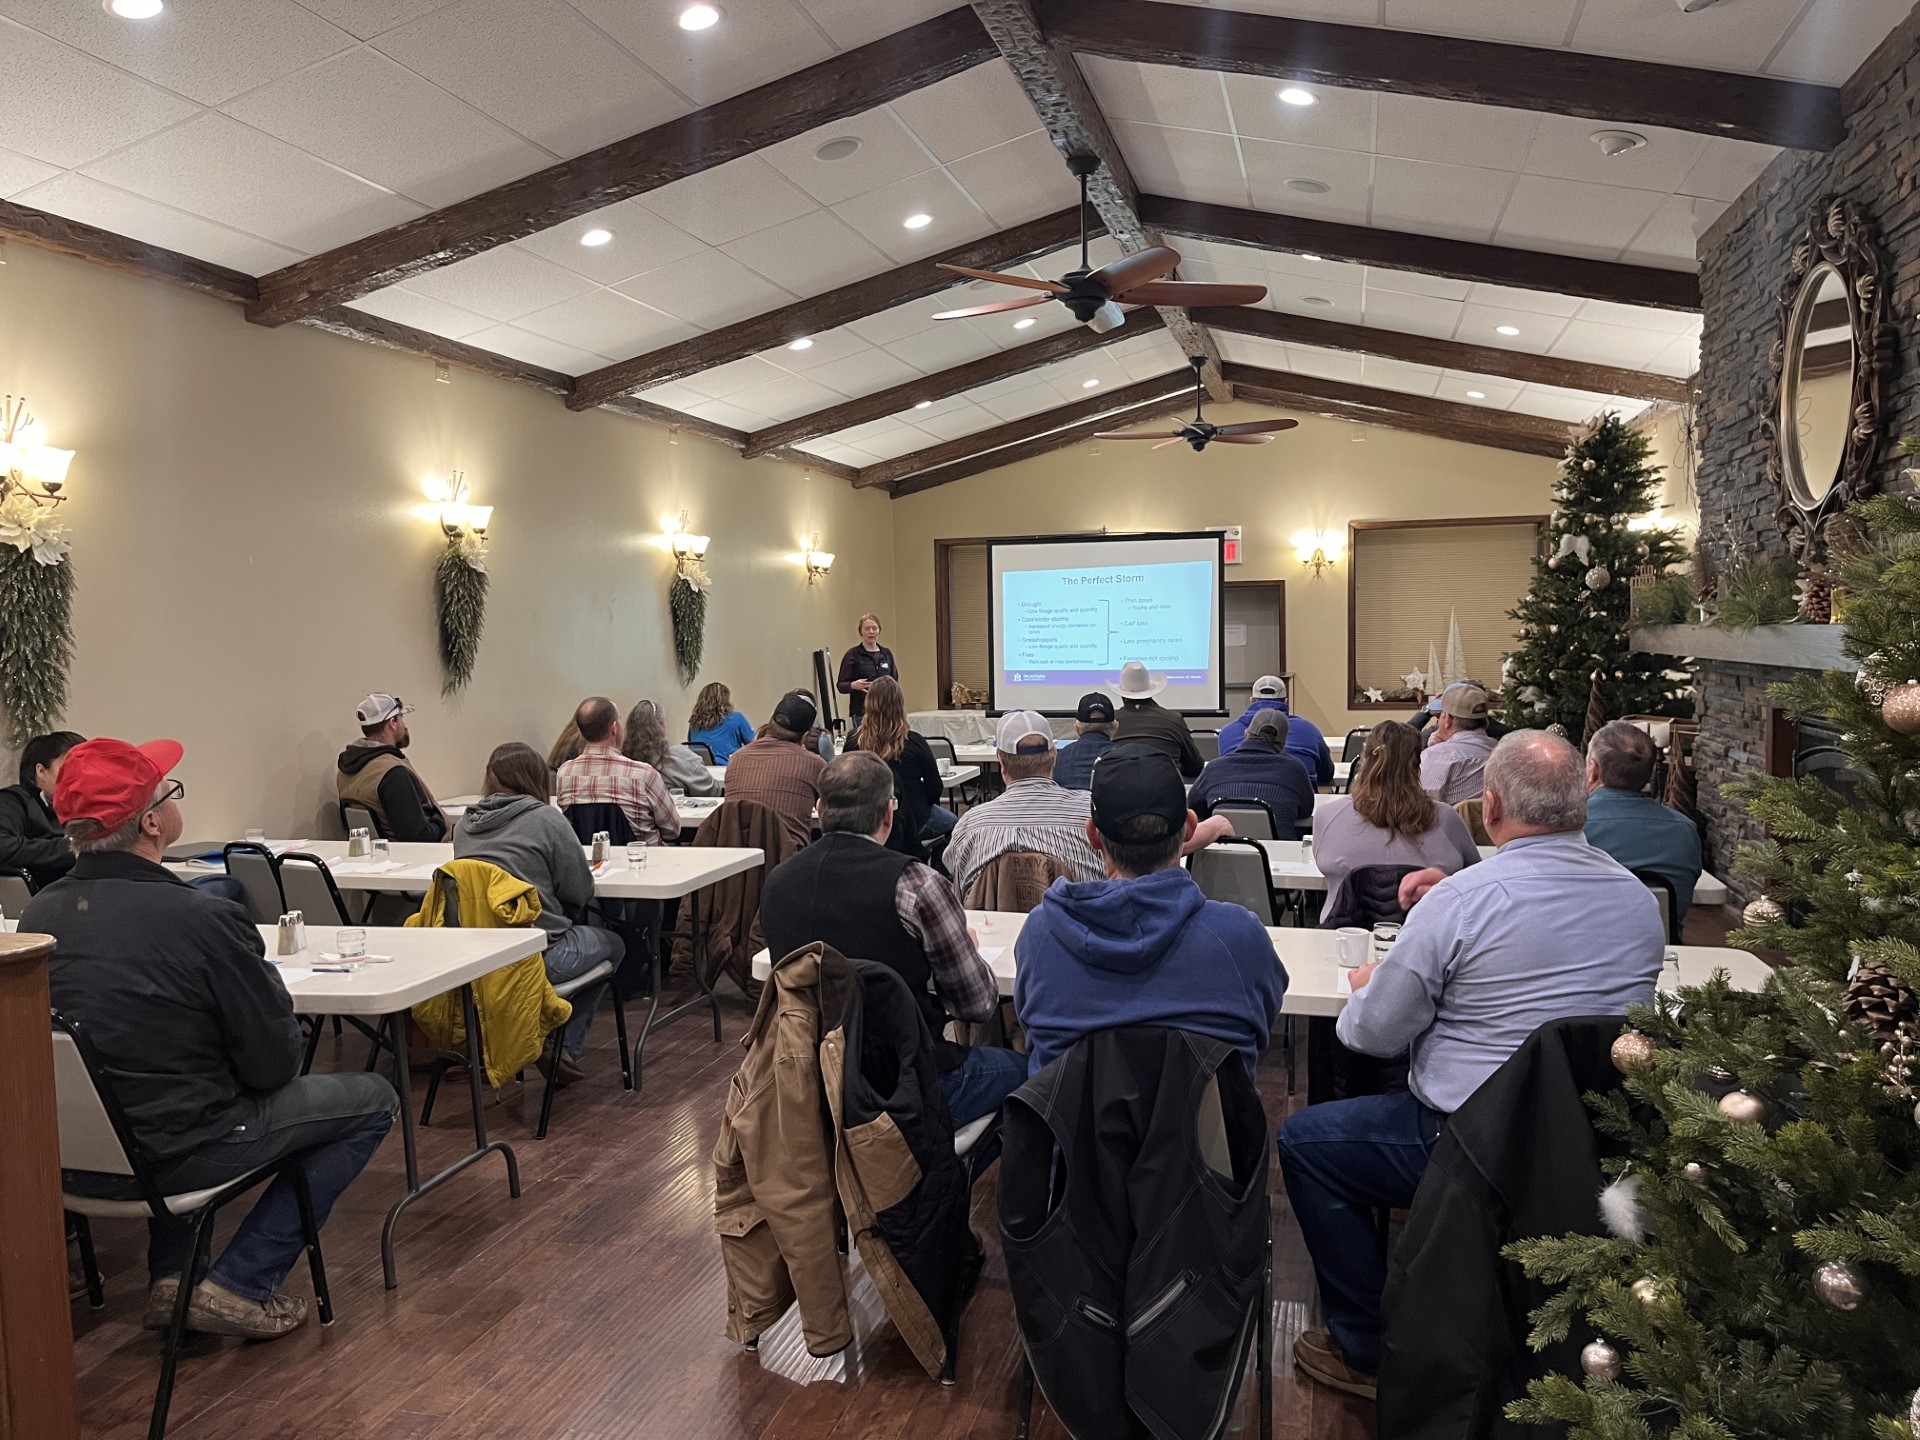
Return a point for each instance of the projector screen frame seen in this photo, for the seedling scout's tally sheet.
(1218, 536)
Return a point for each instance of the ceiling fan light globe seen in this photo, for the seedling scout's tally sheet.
(1107, 316)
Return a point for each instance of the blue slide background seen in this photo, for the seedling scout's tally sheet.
(1077, 626)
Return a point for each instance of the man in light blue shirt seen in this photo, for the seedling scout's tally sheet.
(1548, 928)
(1629, 824)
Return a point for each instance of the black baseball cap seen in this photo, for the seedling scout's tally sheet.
(796, 713)
(1133, 781)
(1095, 709)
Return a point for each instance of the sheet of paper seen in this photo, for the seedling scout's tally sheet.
(1236, 636)
(294, 974)
(1345, 987)
(991, 953)
(362, 866)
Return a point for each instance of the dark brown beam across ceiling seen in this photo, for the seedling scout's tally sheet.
(1426, 255)
(1445, 67)
(1448, 354)
(1335, 399)
(1174, 388)
(938, 386)
(81, 241)
(825, 312)
(845, 85)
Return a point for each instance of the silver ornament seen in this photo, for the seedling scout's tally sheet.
(1762, 912)
(1743, 1107)
(1602, 1361)
(1695, 1171)
(1632, 1051)
(1598, 578)
(1586, 464)
(1839, 1285)
(1647, 1291)
(1913, 1413)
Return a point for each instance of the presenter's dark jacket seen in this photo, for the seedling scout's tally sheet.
(860, 663)
(1147, 722)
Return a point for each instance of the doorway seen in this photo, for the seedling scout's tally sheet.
(1256, 637)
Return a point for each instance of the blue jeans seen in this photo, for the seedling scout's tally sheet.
(1342, 1161)
(333, 1122)
(940, 821)
(977, 1086)
(575, 952)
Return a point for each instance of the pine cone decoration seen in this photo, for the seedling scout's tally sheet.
(1816, 597)
(1706, 575)
(1884, 1003)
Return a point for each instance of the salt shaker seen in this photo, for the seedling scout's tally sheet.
(601, 840)
(359, 843)
(291, 941)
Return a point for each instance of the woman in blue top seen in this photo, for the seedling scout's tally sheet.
(716, 724)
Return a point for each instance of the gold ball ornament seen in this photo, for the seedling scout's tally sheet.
(1901, 708)
(1695, 1171)
(1600, 1360)
(1632, 1051)
(1839, 1285)
(1763, 912)
(1743, 1107)
(1647, 1291)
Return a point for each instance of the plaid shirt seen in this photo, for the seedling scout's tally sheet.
(601, 775)
(929, 907)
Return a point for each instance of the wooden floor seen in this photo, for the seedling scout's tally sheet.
(592, 1308)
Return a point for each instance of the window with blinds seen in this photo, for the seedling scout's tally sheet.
(1410, 581)
(967, 645)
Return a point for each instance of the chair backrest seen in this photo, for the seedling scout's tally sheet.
(92, 1133)
(1015, 880)
(359, 817)
(1207, 742)
(1370, 896)
(1236, 872)
(16, 888)
(1356, 742)
(1669, 902)
(1470, 810)
(589, 818)
(252, 868)
(449, 899)
(1251, 819)
(307, 886)
(703, 750)
(940, 745)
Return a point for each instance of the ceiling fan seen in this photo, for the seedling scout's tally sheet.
(1095, 296)
(1201, 433)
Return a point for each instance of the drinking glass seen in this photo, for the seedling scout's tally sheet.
(256, 837)
(352, 943)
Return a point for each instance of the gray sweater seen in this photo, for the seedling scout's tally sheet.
(531, 841)
(685, 771)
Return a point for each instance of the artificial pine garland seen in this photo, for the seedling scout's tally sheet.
(687, 604)
(460, 581)
(36, 641)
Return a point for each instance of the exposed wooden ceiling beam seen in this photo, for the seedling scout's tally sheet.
(943, 383)
(1066, 106)
(1448, 354)
(1470, 424)
(81, 241)
(1446, 67)
(1175, 389)
(1425, 254)
(825, 312)
(847, 84)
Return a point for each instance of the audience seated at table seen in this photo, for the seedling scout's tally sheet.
(1304, 740)
(1549, 927)
(1386, 818)
(917, 785)
(816, 737)
(1032, 813)
(375, 773)
(778, 770)
(1143, 946)
(1144, 721)
(1457, 751)
(646, 741)
(30, 838)
(197, 1036)
(601, 775)
(1263, 768)
(872, 903)
(1093, 731)
(717, 725)
(515, 828)
(1629, 824)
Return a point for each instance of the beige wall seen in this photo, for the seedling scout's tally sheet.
(1679, 461)
(253, 555)
(1314, 477)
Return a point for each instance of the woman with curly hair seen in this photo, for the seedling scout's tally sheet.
(717, 725)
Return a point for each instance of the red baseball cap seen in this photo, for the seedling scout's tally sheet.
(110, 781)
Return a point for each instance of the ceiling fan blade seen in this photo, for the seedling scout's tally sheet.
(1259, 427)
(1137, 269)
(1243, 439)
(1025, 282)
(1138, 435)
(1176, 440)
(995, 308)
(1189, 292)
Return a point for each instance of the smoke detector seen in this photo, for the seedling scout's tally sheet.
(1687, 7)
(1619, 142)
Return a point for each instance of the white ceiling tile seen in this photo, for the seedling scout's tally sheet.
(1449, 201)
(1416, 128)
(368, 18)
(1018, 181)
(1148, 364)
(1722, 37)
(1386, 374)
(1293, 297)
(78, 198)
(879, 215)
(1407, 282)
(787, 398)
(828, 346)
(814, 253)
(537, 66)
(1726, 168)
(1327, 364)
(1252, 350)
(1412, 314)
(17, 172)
(726, 412)
(1671, 236)
(761, 40)
(951, 405)
(1465, 389)
(1518, 22)
(1270, 165)
(888, 152)
(1572, 218)
(607, 323)
(896, 322)
(1191, 164)
(1159, 94)
(641, 241)
(422, 312)
(863, 373)
(536, 349)
(209, 50)
(1533, 302)
(707, 289)
(1339, 119)
(1047, 320)
(1480, 325)
(968, 420)
(842, 454)
(1554, 404)
(971, 111)
(733, 377)
(903, 441)
(1036, 397)
(237, 176)
(1608, 344)
(1668, 323)
(1681, 357)
(942, 347)
(366, 114)
(855, 22)
(1834, 37)
(1563, 148)
(874, 433)
(728, 201)
(64, 108)
(501, 284)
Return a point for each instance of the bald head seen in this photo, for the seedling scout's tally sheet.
(1536, 785)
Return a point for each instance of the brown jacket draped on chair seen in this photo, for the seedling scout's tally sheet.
(730, 908)
(1469, 811)
(1014, 881)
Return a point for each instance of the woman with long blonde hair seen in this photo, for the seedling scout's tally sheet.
(1388, 819)
(717, 725)
(917, 785)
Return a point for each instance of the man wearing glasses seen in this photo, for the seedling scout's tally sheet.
(197, 1036)
(375, 772)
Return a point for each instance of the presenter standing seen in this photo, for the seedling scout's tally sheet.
(861, 666)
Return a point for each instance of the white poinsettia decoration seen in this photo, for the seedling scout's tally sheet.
(696, 576)
(26, 525)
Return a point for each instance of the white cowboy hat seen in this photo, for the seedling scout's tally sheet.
(1137, 684)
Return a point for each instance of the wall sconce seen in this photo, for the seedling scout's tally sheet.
(36, 634)
(689, 549)
(30, 469)
(1318, 550)
(459, 519)
(817, 561)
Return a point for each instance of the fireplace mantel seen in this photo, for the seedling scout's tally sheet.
(1778, 647)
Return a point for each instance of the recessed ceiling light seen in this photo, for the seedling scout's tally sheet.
(1294, 95)
(1506, 329)
(924, 404)
(1026, 324)
(838, 149)
(1315, 300)
(596, 237)
(1617, 142)
(1476, 394)
(1088, 384)
(918, 221)
(135, 9)
(699, 17)
(1314, 258)
(805, 342)
(1309, 187)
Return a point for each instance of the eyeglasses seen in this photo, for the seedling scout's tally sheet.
(172, 790)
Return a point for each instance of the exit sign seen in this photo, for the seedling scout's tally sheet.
(1230, 551)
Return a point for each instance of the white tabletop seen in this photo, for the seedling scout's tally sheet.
(976, 755)
(959, 775)
(719, 774)
(427, 961)
(458, 805)
(1294, 870)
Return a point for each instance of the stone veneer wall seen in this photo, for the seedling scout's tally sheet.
(1733, 728)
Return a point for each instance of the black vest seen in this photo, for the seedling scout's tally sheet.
(840, 890)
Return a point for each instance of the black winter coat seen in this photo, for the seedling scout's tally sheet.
(30, 838)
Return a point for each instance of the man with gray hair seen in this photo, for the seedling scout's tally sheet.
(1629, 824)
(1550, 927)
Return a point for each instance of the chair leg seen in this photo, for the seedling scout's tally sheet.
(1026, 1397)
(313, 1045)
(197, 1246)
(620, 1032)
(89, 1262)
(553, 1082)
(1266, 1342)
(310, 1229)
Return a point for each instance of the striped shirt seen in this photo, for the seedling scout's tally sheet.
(783, 776)
(1033, 814)
(601, 775)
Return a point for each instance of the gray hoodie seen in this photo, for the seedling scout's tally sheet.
(531, 841)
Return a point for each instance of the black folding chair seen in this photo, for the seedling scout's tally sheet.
(1355, 743)
(1207, 742)
(1251, 819)
(1669, 900)
(703, 750)
(16, 888)
(307, 885)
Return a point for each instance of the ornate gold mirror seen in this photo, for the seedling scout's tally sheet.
(1816, 388)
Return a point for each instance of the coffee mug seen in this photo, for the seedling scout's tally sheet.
(1350, 944)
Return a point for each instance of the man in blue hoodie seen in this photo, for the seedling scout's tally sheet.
(1303, 736)
(1143, 946)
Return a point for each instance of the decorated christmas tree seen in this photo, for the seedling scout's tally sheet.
(1763, 1274)
(1572, 638)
